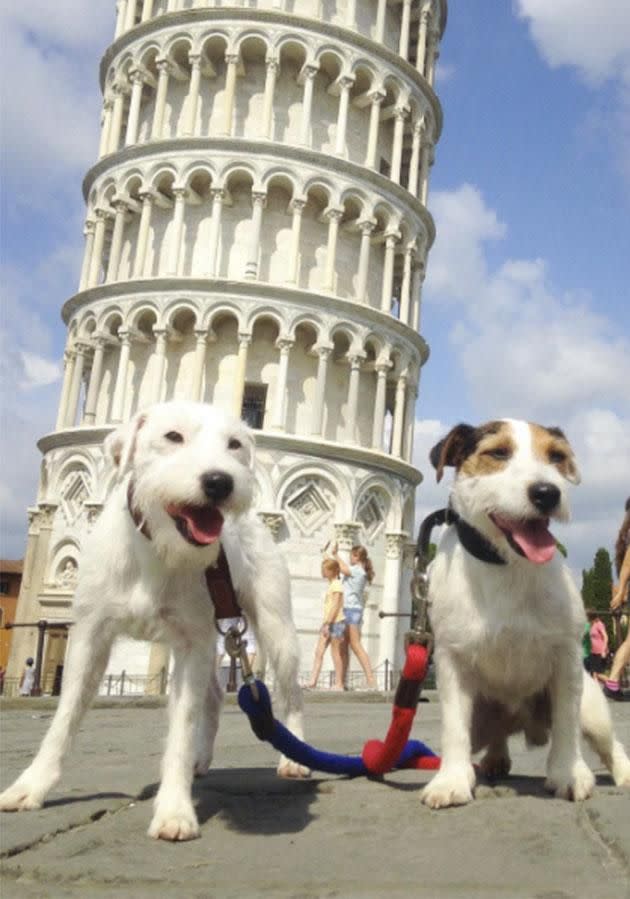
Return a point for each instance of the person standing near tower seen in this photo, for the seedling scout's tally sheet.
(354, 578)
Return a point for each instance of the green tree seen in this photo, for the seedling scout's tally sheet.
(597, 582)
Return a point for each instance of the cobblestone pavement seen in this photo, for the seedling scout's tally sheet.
(327, 837)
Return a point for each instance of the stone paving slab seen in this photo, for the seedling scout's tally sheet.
(327, 837)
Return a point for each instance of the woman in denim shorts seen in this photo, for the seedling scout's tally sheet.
(354, 578)
(333, 628)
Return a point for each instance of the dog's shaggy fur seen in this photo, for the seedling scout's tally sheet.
(143, 575)
(508, 654)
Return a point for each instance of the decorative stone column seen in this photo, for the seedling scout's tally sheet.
(334, 216)
(175, 249)
(433, 54)
(419, 127)
(217, 195)
(353, 398)
(425, 15)
(410, 420)
(400, 114)
(259, 200)
(366, 227)
(118, 403)
(69, 358)
(88, 231)
(273, 67)
(347, 535)
(121, 208)
(307, 77)
(376, 98)
(161, 339)
(399, 416)
(192, 100)
(147, 10)
(379, 404)
(416, 290)
(345, 83)
(297, 208)
(100, 345)
(231, 63)
(97, 247)
(106, 124)
(164, 68)
(284, 345)
(244, 340)
(405, 290)
(380, 21)
(394, 544)
(130, 16)
(137, 84)
(199, 363)
(387, 292)
(139, 268)
(117, 116)
(80, 350)
(426, 159)
(405, 21)
(323, 355)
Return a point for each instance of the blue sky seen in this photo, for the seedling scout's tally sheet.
(526, 298)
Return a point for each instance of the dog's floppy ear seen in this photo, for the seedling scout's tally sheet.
(453, 449)
(120, 445)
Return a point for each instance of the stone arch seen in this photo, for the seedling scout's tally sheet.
(373, 507)
(312, 499)
(63, 564)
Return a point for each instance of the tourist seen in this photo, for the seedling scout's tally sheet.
(333, 627)
(355, 578)
(621, 594)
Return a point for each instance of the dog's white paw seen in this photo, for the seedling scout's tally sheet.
(576, 784)
(21, 796)
(621, 771)
(449, 788)
(292, 770)
(175, 824)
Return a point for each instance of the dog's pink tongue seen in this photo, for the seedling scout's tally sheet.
(204, 522)
(535, 539)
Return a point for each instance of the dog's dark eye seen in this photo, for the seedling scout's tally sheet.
(557, 457)
(499, 452)
(234, 444)
(174, 437)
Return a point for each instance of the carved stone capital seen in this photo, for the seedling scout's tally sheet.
(394, 543)
(272, 520)
(347, 534)
(46, 514)
(92, 512)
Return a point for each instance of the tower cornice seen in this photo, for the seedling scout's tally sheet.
(270, 17)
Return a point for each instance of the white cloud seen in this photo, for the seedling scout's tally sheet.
(528, 349)
(39, 372)
(592, 37)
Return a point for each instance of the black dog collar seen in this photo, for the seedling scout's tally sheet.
(470, 538)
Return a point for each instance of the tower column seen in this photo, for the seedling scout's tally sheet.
(270, 86)
(405, 290)
(121, 11)
(175, 249)
(377, 98)
(379, 404)
(97, 249)
(231, 62)
(244, 341)
(367, 227)
(217, 195)
(75, 387)
(137, 83)
(334, 216)
(199, 364)
(353, 398)
(410, 422)
(88, 231)
(251, 266)
(422, 38)
(147, 10)
(323, 353)
(426, 158)
(416, 290)
(130, 15)
(118, 403)
(142, 244)
(345, 84)
(403, 43)
(192, 100)
(164, 68)
(400, 114)
(106, 123)
(394, 542)
(380, 21)
(161, 337)
(117, 239)
(388, 271)
(95, 379)
(297, 207)
(117, 115)
(308, 78)
(399, 415)
(433, 54)
(414, 163)
(69, 358)
(284, 345)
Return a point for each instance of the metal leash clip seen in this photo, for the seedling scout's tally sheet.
(419, 632)
(236, 648)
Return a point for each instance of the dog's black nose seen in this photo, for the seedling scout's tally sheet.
(544, 496)
(217, 485)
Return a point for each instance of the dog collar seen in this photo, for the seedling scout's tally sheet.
(218, 576)
(470, 538)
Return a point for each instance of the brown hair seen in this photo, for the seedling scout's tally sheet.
(621, 545)
(361, 553)
(330, 566)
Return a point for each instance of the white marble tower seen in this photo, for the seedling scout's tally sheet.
(256, 236)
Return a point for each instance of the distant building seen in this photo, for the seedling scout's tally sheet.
(10, 581)
(256, 236)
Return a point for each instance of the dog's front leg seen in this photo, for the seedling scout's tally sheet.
(209, 723)
(568, 775)
(454, 782)
(174, 817)
(88, 653)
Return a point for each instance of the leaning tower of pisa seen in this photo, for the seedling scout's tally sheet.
(256, 236)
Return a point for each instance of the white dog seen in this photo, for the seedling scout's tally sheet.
(184, 490)
(507, 617)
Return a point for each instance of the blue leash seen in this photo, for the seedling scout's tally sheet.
(267, 728)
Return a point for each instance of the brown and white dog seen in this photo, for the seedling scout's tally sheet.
(508, 618)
